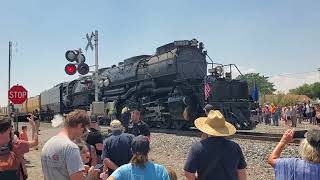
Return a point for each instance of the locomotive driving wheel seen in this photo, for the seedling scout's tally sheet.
(164, 124)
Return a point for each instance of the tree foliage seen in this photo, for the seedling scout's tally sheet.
(262, 83)
(281, 99)
(311, 90)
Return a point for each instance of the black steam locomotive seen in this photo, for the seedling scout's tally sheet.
(167, 87)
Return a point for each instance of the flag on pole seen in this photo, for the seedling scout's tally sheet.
(207, 89)
(255, 93)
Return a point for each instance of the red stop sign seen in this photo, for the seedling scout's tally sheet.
(17, 94)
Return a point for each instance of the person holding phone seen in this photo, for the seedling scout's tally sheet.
(306, 167)
(60, 156)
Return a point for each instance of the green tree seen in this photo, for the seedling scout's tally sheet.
(310, 90)
(262, 83)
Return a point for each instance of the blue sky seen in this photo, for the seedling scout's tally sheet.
(271, 37)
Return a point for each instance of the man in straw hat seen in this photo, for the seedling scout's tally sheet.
(215, 157)
(117, 147)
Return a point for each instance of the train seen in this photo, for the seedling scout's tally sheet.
(167, 87)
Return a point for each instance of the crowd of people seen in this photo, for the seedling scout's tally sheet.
(272, 114)
(80, 151)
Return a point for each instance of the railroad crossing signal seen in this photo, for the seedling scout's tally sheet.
(17, 94)
(78, 58)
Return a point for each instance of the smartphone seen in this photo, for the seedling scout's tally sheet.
(299, 134)
(23, 118)
(98, 166)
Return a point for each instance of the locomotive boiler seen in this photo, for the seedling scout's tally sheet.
(166, 87)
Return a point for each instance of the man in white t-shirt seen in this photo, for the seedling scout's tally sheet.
(60, 157)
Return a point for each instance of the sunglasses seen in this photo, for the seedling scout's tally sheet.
(86, 131)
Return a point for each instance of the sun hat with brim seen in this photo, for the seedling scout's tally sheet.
(215, 124)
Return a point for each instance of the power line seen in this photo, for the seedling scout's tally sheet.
(293, 74)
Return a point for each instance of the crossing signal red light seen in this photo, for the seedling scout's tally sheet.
(70, 69)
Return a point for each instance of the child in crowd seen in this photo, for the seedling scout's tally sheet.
(24, 133)
(84, 150)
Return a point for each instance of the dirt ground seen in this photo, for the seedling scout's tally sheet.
(33, 157)
(158, 154)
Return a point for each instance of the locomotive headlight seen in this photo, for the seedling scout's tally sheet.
(106, 82)
(219, 70)
(100, 83)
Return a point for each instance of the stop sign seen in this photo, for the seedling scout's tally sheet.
(17, 94)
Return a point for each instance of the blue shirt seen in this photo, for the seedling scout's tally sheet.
(117, 147)
(294, 168)
(133, 172)
(215, 158)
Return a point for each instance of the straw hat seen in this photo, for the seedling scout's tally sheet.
(215, 124)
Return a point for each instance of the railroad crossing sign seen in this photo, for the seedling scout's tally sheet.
(17, 94)
(89, 41)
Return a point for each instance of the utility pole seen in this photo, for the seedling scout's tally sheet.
(96, 87)
(9, 74)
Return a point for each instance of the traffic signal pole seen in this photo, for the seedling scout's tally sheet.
(96, 81)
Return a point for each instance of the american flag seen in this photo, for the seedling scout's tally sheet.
(207, 89)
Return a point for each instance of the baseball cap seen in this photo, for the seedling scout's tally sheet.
(115, 124)
(313, 137)
(140, 144)
(208, 108)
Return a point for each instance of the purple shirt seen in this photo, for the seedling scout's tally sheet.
(294, 168)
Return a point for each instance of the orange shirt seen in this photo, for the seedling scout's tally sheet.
(24, 136)
(273, 109)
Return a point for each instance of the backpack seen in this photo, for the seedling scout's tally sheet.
(9, 164)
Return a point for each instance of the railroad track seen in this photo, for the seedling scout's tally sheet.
(239, 135)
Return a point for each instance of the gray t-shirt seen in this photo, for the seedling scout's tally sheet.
(60, 158)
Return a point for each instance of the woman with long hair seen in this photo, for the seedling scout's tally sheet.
(140, 167)
(306, 167)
